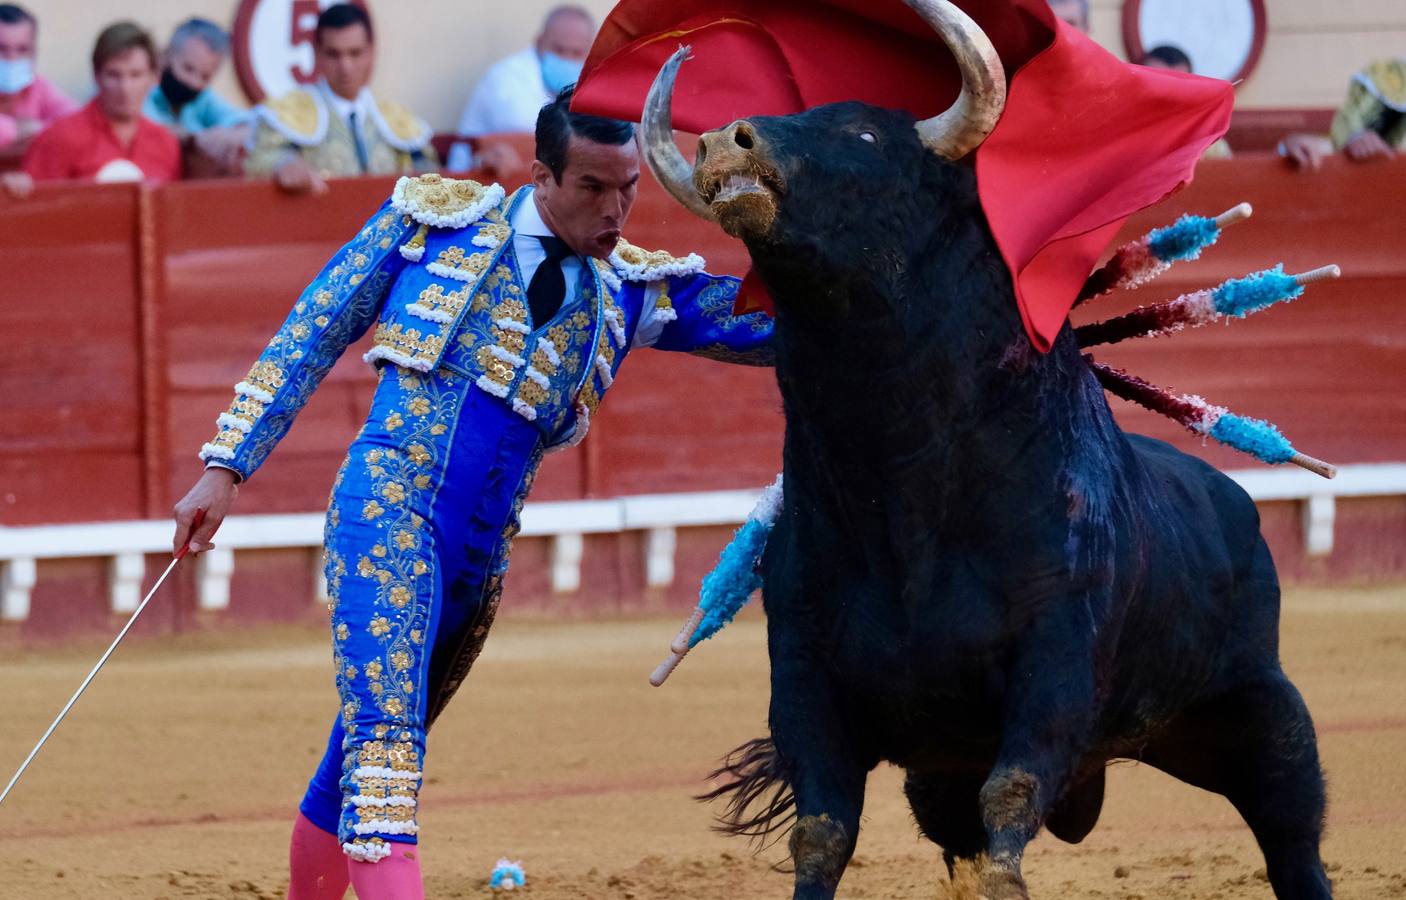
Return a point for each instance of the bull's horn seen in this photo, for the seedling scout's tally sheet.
(963, 127)
(660, 152)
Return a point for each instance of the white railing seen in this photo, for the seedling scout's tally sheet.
(565, 524)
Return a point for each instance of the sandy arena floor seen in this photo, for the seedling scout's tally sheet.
(177, 774)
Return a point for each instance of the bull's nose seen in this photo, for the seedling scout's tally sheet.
(738, 139)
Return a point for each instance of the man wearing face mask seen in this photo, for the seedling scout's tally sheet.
(336, 127)
(514, 89)
(184, 102)
(28, 101)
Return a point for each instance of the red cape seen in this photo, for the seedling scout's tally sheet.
(1085, 140)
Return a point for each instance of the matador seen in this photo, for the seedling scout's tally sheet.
(500, 323)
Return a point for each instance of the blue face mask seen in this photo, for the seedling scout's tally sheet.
(16, 75)
(558, 72)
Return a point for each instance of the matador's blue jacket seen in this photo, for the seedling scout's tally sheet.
(435, 271)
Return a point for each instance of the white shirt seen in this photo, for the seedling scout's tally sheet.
(344, 107)
(505, 101)
(527, 228)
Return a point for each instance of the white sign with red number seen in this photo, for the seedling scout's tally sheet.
(273, 45)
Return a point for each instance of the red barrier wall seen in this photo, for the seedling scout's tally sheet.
(129, 314)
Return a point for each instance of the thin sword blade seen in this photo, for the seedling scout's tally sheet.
(93, 674)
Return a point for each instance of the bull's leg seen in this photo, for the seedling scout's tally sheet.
(827, 776)
(1048, 712)
(1256, 746)
(948, 811)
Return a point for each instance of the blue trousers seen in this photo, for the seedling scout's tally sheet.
(419, 528)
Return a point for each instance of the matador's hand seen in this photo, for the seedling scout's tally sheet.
(214, 493)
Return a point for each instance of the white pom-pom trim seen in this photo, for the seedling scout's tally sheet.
(509, 325)
(429, 314)
(507, 356)
(444, 271)
(382, 802)
(384, 772)
(523, 409)
(689, 265)
(603, 368)
(252, 392)
(395, 356)
(385, 826)
(531, 372)
(412, 253)
(228, 421)
(489, 385)
(617, 331)
(210, 451)
(546, 346)
(367, 852)
(486, 240)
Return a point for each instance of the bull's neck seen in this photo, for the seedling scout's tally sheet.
(947, 406)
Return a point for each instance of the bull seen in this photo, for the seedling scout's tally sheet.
(976, 575)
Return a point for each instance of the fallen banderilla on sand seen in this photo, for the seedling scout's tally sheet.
(179, 555)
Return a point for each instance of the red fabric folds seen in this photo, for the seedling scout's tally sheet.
(1085, 141)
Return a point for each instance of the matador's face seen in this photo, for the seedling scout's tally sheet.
(588, 206)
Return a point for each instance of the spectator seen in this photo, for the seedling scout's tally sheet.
(184, 102)
(513, 90)
(1072, 12)
(109, 139)
(1176, 60)
(336, 127)
(1371, 123)
(28, 101)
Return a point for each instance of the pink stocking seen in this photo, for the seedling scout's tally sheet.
(396, 877)
(316, 864)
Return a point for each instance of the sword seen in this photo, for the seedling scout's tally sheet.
(180, 555)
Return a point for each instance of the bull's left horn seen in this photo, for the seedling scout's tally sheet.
(660, 152)
(963, 127)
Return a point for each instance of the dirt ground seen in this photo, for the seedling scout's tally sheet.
(177, 774)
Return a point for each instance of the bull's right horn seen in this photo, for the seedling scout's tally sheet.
(660, 152)
(962, 128)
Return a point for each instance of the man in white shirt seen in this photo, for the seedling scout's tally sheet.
(513, 90)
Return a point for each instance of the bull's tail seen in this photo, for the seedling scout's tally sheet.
(756, 781)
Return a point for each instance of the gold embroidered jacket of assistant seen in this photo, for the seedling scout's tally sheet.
(302, 122)
(436, 273)
(1376, 100)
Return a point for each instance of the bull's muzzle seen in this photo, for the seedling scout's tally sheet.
(735, 176)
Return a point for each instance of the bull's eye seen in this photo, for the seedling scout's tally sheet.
(868, 136)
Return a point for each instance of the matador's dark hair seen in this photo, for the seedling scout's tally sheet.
(343, 15)
(556, 123)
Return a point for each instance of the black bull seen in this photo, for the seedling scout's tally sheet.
(976, 575)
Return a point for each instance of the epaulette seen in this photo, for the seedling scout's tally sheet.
(1386, 80)
(400, 127)
(444, 202)
(298, 115)
(637, 264)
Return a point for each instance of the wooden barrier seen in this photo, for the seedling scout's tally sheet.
(129, 313)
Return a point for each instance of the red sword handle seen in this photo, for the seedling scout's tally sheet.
(195, 523)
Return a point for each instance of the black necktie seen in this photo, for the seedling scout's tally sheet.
(361, 155)
(548, 287)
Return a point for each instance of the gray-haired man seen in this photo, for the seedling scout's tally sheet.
(185, 103)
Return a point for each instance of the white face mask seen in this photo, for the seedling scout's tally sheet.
(16, 75)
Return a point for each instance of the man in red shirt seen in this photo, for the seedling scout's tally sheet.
(107, 140)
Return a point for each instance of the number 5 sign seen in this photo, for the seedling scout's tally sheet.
(273, 45)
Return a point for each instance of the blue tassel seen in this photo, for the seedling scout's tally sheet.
(733, 581)
(507, 870)
(1253, 436)
(1183, 239)
(1242, 296)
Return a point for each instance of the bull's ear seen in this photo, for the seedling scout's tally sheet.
(962, 128)
(661, 154)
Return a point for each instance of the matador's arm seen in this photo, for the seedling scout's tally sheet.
(332, 313)
(693, 314)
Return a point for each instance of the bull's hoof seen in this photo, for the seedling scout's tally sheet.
(1001, 884)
